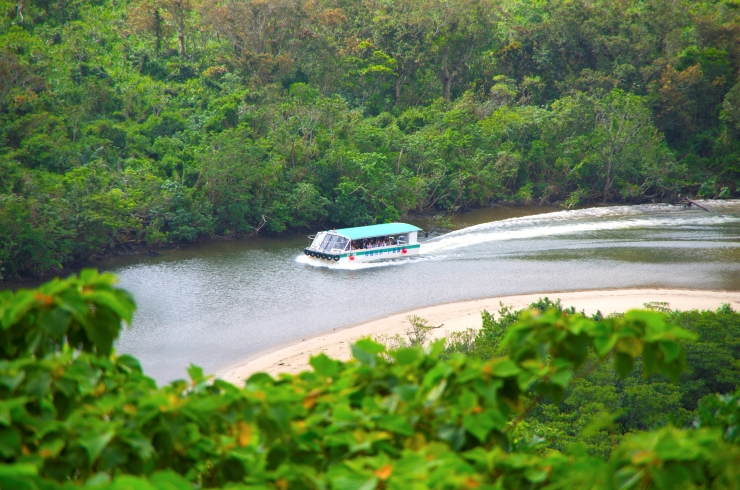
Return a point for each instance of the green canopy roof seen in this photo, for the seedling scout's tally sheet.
(377, 230)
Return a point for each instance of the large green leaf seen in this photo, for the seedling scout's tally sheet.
(94, 443)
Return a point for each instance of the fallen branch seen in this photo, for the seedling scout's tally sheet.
(259, 227)
(690, 202)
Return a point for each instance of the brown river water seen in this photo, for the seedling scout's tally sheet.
(216, 304)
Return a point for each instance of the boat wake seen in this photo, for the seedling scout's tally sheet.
(561, 224)
(578, 222)
(303, 259)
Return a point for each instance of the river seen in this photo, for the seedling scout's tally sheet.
(216, 304)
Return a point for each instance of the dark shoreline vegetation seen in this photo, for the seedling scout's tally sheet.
(542, 398)
(159, 122)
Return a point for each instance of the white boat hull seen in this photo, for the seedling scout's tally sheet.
(369, 255)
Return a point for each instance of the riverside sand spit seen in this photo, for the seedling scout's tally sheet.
(293, 357)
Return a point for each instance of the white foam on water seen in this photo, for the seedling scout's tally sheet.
(559, 223)
(330, 264)
(447, 243)
(580, 221)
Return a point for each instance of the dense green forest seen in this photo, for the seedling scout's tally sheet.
(545, 399)
(599, 398)
(148, 122)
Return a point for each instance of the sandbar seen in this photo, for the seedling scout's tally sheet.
(293, 357)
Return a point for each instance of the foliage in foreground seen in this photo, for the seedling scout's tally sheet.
(72, 413)
(600, 407)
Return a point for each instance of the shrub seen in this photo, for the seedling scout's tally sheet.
(72, 412)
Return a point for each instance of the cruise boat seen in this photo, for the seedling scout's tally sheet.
(365, 243)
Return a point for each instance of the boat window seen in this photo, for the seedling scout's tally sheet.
(318, 240)
(336, 242)
(341, 243)
(329, 242)
(326, 241)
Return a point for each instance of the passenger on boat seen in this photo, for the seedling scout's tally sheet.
(370, 243)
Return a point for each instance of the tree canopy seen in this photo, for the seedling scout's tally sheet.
(146, 122)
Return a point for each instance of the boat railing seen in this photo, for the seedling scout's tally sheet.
(400, 243)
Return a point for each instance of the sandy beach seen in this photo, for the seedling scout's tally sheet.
(293, 358)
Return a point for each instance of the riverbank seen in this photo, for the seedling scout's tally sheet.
(293, 357)
(127, 253)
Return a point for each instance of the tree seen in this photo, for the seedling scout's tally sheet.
(179, 12)
(616, 142)
(731, 107)
(458, 32)
(17, 78)
(675, 109)
(401, 30)
(262, 34)
(146, 18)
(383, 107)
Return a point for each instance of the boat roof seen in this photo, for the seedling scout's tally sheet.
(377, 230)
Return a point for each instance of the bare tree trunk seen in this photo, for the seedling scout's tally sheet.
(606, 182)
(157, 31)
(181, 26)
(181, 38)
(448, 87)
(447, 76)
(460, 186)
